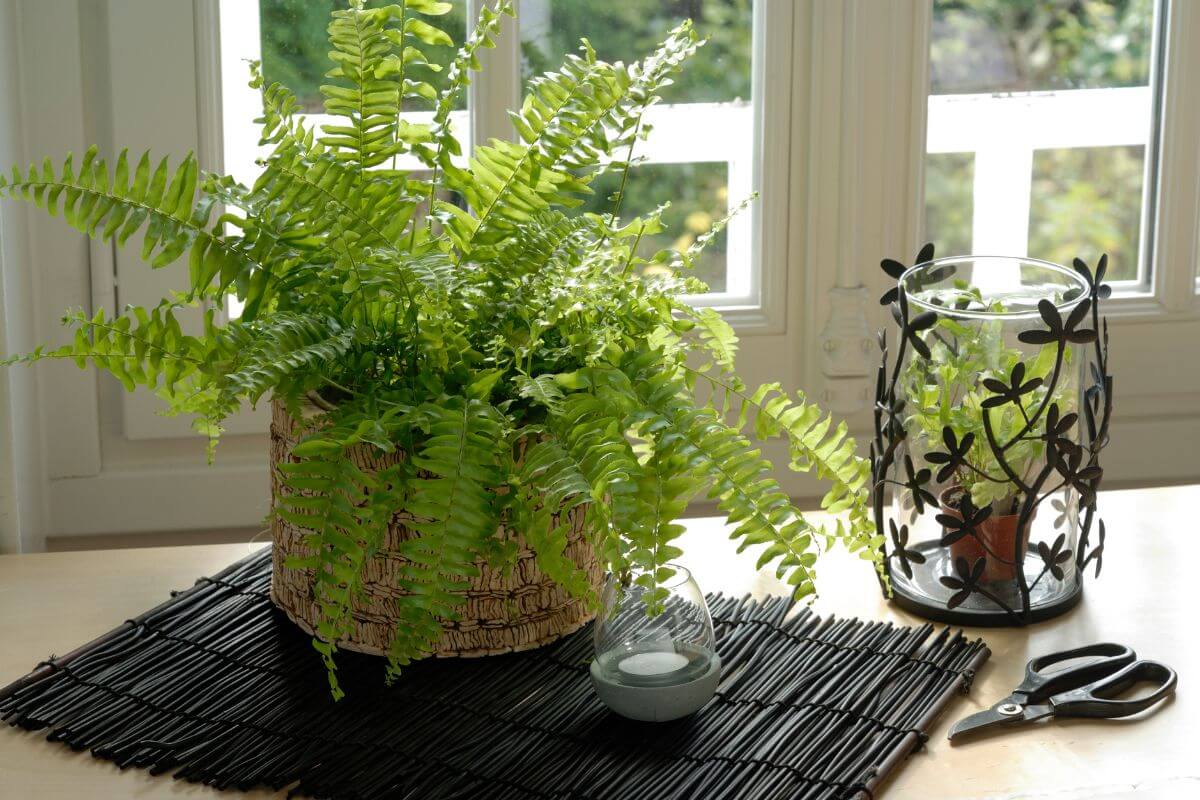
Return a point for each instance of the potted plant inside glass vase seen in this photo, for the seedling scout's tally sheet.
(996, 402)
(481, 401)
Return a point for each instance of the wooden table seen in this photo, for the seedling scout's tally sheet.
(1146, 598)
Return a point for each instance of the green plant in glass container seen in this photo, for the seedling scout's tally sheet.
(504, 364)
(971, 375)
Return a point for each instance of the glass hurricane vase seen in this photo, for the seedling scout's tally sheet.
(991, 411)
(656, 655)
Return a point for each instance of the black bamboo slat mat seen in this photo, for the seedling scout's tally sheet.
(215, 685)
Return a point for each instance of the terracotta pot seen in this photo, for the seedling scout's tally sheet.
(996, 533)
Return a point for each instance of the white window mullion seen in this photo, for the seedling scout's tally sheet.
(1003, 178)
(497, 88)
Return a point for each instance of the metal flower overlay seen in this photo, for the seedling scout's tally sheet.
(1081, 480)
(1012, 392)
(965, 583)
(969, 521)
(895, 269)
(916, 484)
(1099, 287)
(910, 328)
(1055, 556)
(1057, 331)
(955, 455)
(1058, 431)
(906, 557)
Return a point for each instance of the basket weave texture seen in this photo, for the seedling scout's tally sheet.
(502, 612)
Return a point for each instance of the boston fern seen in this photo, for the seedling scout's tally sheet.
(525, 360)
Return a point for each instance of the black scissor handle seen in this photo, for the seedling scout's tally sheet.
(1092, 700)
(1108, 658)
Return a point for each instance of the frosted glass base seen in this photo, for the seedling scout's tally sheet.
(925, 595)
(657, 703)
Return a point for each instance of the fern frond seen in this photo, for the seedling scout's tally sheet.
(341, 506)
(445, 146)
(814, 444)
(832, 454)
(550, 240)
(551, 483)
(741, 481)
(507, 186)
(665, 487)
(329, 198)
(454, 511)
(159, 202)
(370, 81)
(560, 116)
(271, 353)
(541, 390)
(279, 107)
(590, 427)
(716, 335)
(139, 347)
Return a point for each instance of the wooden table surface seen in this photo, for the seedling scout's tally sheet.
(1146, 598)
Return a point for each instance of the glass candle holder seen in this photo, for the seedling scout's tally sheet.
(991, 411)
(656, 655)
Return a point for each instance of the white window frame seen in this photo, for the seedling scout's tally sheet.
(841, 136)
(1002, 131)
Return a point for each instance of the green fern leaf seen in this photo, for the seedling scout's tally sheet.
(455, 512)
(160, 203)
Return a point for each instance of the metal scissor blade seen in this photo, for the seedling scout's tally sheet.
(979, 720)
(994, 717)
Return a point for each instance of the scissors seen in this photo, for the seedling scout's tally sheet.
(1081, 690)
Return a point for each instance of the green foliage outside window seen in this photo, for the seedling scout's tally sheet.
(519, 352)
(1105, 211)
(1038, 45)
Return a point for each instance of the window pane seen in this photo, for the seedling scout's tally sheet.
(1053, 105)
(699, 155)
(948, 202)
(295, 46)
(698, 197)
(1033, 45)
(629, 29)
(1088, 200)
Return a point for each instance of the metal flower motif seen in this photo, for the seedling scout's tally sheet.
(1081, 480)
(910, 328)
(1013, 391)
(1055, 556)
(969, 521)
(906, 557)
(916, 484)
(955, 455)
(1096, 554)
(1058, 331)
(1058, 430)
(965, 583)
(1096, 283)
(895, 269)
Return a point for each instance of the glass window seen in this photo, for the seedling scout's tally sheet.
(290, 38)
(1041, 118)
(295, 46)
(699, 155)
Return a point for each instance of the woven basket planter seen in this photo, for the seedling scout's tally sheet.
(502, 611)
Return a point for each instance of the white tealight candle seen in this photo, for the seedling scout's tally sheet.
(653, 663)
